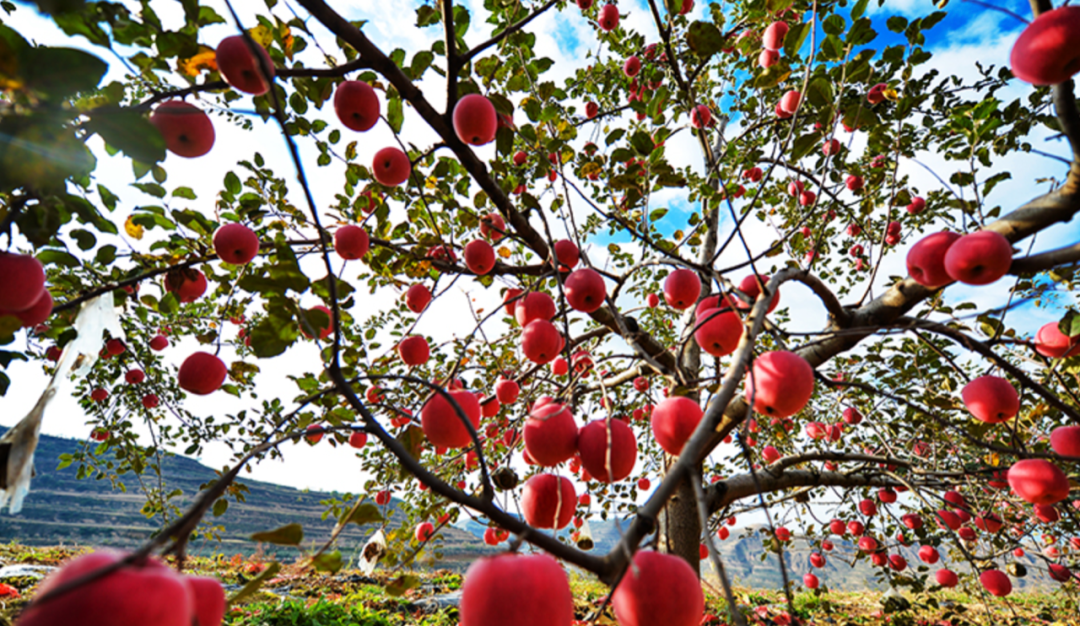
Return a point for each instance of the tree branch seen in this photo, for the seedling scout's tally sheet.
(509, 30)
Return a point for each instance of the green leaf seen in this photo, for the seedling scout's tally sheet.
(57, 257)
(232, 183)
(820, 92)
(288, 535)
(859, 9)
(897, 24)
(1070, 324)
(61, 72)
(220, 506)
(253, 585)
(328, 562)
(804, 145)
(795, 39)
(401, 584)
(412, 438)
(184, 192)
(832, 49)
(642, 143)
(130, 132)
(395, 116)
(364, 514)
(834, 25)
(704, 39)
(273, 335)
(84, 238)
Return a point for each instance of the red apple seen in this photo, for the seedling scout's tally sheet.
(928, 554)
(856, 528)
(189, 284)
(632, 66)
(817, 559)
(996, 582)
(852, 416)
(423, 531)
(441, 423)
(417, 298)
(652, 300)
(811, 581)
(37, 313)
(567, 253)
(601, 440)
(475, 121)
(358, 439)
(658, 589)
(854, 183)
(479, 257)
(887, 496)
(209, 598)
(536, 305)
(414, 350)
(391, 166)
(770, 454)
(134, 377)
(1065, 440)
(1038, 481)
(831, 147)
(559, 367)
(513, 589)
(917, 205)
(719, 331)
(991, 399)
(1051, 342)
(236, 244)
(946, 578)
(507, 391)
(867, 543)
(609, 17)
(351, 242)
(591, 109)
(979, 258)
(1046, 53)
(867, 507)
(241, 68)
(324, 331)
(138, 594)
(780, 383)
(897, 562)
(99, 395)
(550, 432)
(768, 58)
(150, 401)
(838, 527)
(541, 342)
(548, 501)
(1046, 514)
(159, 343)
(790, 101)
(356, 105)
(926, 259)
(585, 290)
(382, 498)
(751, 286)
(700, 116)
(188, 132)
(201, 373)
(876, 95)
(781, 113)
(673, 421)
(682, 288)
(773, 39)
(492, 225)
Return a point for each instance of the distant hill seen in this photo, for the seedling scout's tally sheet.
(62, 510)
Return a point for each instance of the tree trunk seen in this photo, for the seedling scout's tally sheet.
(680, 526)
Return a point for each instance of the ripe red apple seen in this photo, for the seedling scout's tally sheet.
(134, 377)
(187, 130)
(1065, 440)
(928, 554)
(988, 522)
(609, 17)
(673, 421)
(852, 416)
(541, 341)
(887, 496)
(770, 454)
(867, 543)
(358, 439)
(946, 578)
(241, 68)
(991, 399)
(493, 226)
(159, 343)
(856, 528)
(867, 507)
(548, 501)
(236, 244)
(876, 95)
(507, 391)
(1059, 572)
(1046, 514)
(189, 285)
(917, 205)
(567, 253)
(391, 166)
(99, 395)
(351, 242)
(751, 286)
(817, 559)
(417, 298)
(150, 401)
(780, 383)
(414, 350)
(601, 438)
(773, 39)
(700, 116)
(356, 105)
(423, 531)
(559, 367)
(441, 423)
(513, 589)
(324, 331)
(479, 257)
(632, 66)
(658, 589)
(790, 101)
(926, 259)
(768, 58)
(719, 331)
(811, 581)
(897, 562)
(979, 258)
(1051, 342)
(536, 305)
(591, 109)
(37, 313)
(133, 595)
(838, 527)
(1045, 53)
(1038, 481)
(831, 147)
(682, 288)
(550, 432)
(585, 290)
(475, 121)
(781, 113)
(996, 582)
(201, 373)
(209, 600)
(854, 183)
(382, 498)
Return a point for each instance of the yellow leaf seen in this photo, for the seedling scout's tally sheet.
(286, 38)
(206, 59)
(132, 229)
(891, 94)
(504, 252)
(262, 35)
(431, 182)
(993, 460)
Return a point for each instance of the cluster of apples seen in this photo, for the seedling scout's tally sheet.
(24, 295)
(514, 589)
(772, 43)
(134, 594)
(978, 258)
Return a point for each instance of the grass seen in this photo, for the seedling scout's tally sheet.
(299, 597)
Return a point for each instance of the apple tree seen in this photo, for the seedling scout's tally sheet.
(706, 273)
